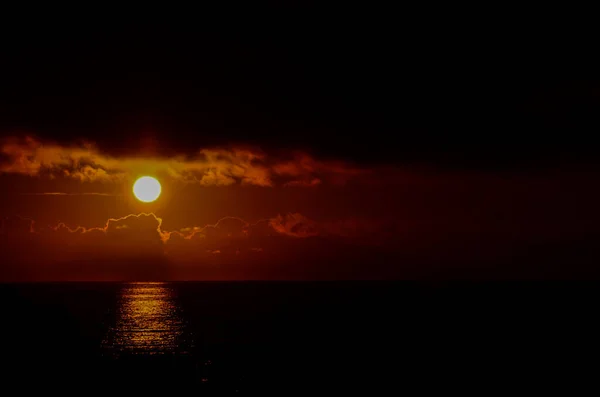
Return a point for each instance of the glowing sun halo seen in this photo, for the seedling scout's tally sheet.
(146, 189)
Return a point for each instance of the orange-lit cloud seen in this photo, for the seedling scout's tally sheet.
(144, 226)
(209, 167)
(66, 194)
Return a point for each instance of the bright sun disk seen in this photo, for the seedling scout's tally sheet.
(146, 189)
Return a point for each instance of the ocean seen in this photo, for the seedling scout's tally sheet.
(286, 336)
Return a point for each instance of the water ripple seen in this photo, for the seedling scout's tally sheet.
(149, 321)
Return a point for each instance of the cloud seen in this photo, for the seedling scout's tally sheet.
(304, 183)
(144, 233)
(228, 226)
(363, 230)
(30, 157)
(148, 227)
(16, 225)
(138, 227)
(66, 194)
(294, 225)
(288, 246)
(304, 170)
(221, 167)
(208, 167)
(137, 247)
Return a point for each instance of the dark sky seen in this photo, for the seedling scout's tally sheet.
(439, 93)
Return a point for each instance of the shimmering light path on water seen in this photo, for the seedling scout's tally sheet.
(149, 321)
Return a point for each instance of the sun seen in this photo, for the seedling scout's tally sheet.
(146, 189)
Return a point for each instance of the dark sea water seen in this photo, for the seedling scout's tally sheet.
(252, 336)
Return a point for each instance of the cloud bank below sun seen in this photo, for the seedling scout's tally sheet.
(136, 245)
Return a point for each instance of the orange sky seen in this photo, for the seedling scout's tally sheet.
(68, 213)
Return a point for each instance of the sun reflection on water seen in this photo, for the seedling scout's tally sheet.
(148, 321)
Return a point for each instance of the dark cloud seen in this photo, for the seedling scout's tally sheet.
(304, 170)
(16, 225)
(295, 225)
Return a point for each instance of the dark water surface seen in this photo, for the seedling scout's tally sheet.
(249, 336)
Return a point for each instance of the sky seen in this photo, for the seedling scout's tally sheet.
(329, 152)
